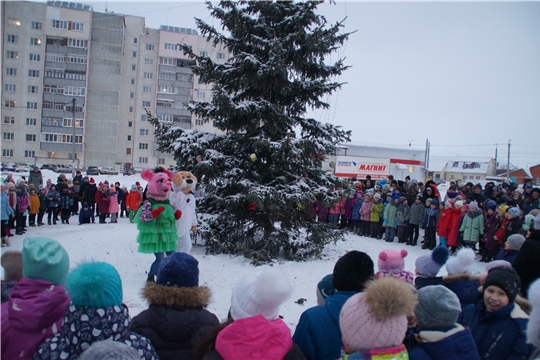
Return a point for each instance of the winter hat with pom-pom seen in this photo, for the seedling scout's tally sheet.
(377, 318)
(392, 261)
(95, 284)
(110, 350)
(438, 307)
(462, 263)
(260, 294)
(179, 269)
(429, 265)
(533, 328)
(352, 271)
(92, 181)
(459, 203)
(44, 259)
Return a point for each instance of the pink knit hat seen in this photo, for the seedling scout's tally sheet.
(377, 318)
(392, 261)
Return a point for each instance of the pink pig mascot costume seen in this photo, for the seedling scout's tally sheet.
(156, 219)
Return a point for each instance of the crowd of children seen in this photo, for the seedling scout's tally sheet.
(26, 203)
(49, 312)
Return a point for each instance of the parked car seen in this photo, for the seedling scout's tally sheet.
(60, 168)
(108, 171)
(9, 167)
(129, 171)
(92, 170)
(47, 167)
(22, 168)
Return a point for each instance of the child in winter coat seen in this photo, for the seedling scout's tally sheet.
(96, 313)
(514, 222)
(113, 204)
(321, 209)
(491, 220)
(335, 211)
(428, 266)
(415, 220)
(103, 201)
(511, 248)
(176, 321)
(349, 203)
(21, 210)
(86, 214)
(390, 218)
(392, 263)
(365, 215)
(497, 323)
(459, 278)
(375, 216)
(455, 219)
(429, 224)
(445, 222)
(440, 337)
(66, 205)
(253, 329)
(42, 205)
(382, 227)
(402, 215)
(33, 208)
(472, 227)
(133, 201)
(374, 323)
(38, 301)
(53, 199)
(356, 212)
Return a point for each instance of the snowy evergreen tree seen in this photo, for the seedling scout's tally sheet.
(262, 176)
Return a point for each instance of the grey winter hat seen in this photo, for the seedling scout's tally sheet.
(438, 307)
(110, 350)
(515, 241)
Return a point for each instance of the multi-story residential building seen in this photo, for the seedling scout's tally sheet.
(111, 66)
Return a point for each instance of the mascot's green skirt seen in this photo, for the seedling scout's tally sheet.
(157, 235)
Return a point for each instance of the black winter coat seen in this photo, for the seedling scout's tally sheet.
(526, 262)
(90, 194)
(176, 321)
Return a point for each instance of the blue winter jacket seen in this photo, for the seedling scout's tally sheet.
(6, 210)
(431, 216)
(318, 334)
(508, 255)
(356, 209)
(500, 334)
(465, 287)
(445, 344)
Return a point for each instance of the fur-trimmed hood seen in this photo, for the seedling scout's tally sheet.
(460, 277)
(173, 296)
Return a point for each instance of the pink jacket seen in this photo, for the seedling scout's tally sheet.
(32, 314)
(113, 203)
(336, 208)
(365, 210)
(254, 338)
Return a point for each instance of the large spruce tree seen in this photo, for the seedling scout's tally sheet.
(262, 176)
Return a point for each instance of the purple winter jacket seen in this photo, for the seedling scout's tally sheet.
(22, 201)
(349, 206)
(32, 314)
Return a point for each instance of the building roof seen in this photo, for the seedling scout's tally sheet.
(467, 167)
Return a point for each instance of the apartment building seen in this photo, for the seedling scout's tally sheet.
(111, 66)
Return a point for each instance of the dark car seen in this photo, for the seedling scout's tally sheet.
(129, 171)
(47, 167)
(92, 170)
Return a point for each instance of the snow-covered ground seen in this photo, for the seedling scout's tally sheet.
(116, 244)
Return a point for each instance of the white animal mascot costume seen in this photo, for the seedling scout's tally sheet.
(182, 198)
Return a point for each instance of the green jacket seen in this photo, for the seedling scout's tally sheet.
(472, 226)
(376, 210)
(390, 215)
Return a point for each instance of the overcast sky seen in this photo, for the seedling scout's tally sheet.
(454, 72)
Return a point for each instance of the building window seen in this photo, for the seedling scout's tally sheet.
(30, 137)
(13, 22)
(134, 40)
(7, 152)
(11, 71)
(35, 57)
(148, 75)
(199, 122)
(133, 54)
(437, 176)
(31, 121)
(132, 81)
(143, 132)
(144, 117)
(131, 95)
(130, 123)
(29, 154)
(161, 161)
(31, 105)
(33, 73)
(166, 89)
(477, 177)
(150, 47)
(59, 24)
(166, 75)
(201, 94)
(452, 177)
(9, 120)
(10, 103)
(146, 104)
(77, 43)
(465, 177)
(32, 89)
(35, 41)
(167, 61)
(128, 151)
(165, 117)
(203, 53)
(164, 104)
(78, 59)
(8, 136)
(143, 146)
(74, 90)
(61, 138)
(455, 164)
(143, 160)
(76, 26)
(170, 46)
(12, 54)
(131, 109)
(10, 87)
(68, 122)
(129, 138)
(133, 66)
(148, 61)
(53, 89)
(220, 55)
(146, 89)
(14, 39)
(37, 25)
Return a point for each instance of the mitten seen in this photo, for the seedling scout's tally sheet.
(156, 212)
(177, 214)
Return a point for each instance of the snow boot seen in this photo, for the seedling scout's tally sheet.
(49, 222)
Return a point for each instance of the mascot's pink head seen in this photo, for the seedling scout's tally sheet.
(159, 183)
